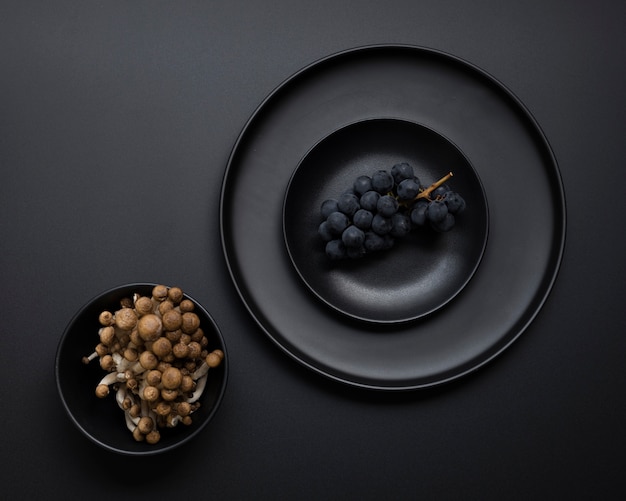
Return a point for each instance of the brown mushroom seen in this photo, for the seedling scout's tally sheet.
(159, 293)
(171, 378)
(143, 305)
(148, 360)
(172, 320)
(190, 323)
(150, 327)
(162, 347)
(175, 294)
(125, 319)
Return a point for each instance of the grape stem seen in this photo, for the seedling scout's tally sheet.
(426, 193)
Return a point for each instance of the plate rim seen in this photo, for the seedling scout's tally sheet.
(557, 253)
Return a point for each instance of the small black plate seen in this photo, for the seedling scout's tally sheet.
(422, 272)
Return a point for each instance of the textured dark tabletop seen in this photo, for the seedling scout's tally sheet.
(117, 120)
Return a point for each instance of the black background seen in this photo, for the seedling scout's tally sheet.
(116, 123)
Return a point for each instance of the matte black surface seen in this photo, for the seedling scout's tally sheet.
(426, 269)
(101, 420)
(117, 120)
(446, 94)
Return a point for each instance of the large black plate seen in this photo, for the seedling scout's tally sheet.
(519, 174)
(423, 271)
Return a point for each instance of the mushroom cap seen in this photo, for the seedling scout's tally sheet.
(101, 349)
(107, 335)
(213, 360)
(143, 305)
(186, 384)
(183, 409)
(150, 327)
(162, 347)
(180, 350)
(163, 408)
(159, 292)
(148, 360)
(105, 318)
(137, 435)
(197, 335)
(130, 354)
(174, 336)
(126, 319)
(102, 390)
(194, 350)
(153, 377)
(191, 322)
(151, 393)
(172, 320)
(107, 362)
(145, 425)
(171, 378)
(169, 395)
(175, 294)
(186, 305)
(153, 437)
(165, 305)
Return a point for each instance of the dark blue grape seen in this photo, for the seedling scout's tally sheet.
(337, 222)
(418, 212)
(381, 224)
(325, 232)
(455, 202)
(353, 237)
(382, 181)
(401, 225)
(348, 203)
(336, 250)
(387, 205)
(362, 184)
(436, 211)
(440, 191)
(373, 242)
(446, 224)
(369, 200)
(408, 189)
(375, 211)
(363, 219)
(401, 171)
(328, 207)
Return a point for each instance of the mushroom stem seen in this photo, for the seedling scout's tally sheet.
(136, 368)
(200, 371)
(89, 358)
(131, 422)
(112, 377)
(200, 385)
(120, 395)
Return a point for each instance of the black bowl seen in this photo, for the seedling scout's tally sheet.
(101, 420)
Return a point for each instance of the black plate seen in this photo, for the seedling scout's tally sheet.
(422, 272)
(518, 172)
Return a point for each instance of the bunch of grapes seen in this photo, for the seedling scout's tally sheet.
(380, 208)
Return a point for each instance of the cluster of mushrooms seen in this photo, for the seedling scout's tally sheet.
(157, 360)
